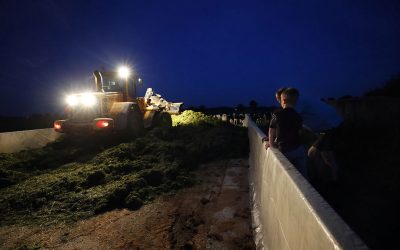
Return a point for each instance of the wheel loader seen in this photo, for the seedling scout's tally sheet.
(115, 107)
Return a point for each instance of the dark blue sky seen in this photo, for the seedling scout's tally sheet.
(200, 52)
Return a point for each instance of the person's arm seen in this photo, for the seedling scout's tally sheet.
(272, 137)
(272, 132)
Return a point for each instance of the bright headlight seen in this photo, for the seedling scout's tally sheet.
(88, 99)
(124, 72)
(72, 100)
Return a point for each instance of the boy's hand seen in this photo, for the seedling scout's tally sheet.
(265, 141)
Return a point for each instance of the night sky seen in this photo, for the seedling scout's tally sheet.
(212, 53)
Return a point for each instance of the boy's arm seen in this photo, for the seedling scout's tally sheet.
(272, 131)
(272, 137)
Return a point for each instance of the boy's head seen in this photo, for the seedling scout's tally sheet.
(289, 97)
(278, 94)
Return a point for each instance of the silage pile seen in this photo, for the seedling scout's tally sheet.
(65, 182)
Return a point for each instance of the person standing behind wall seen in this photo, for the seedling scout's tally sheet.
(284, 130)
(324, 121)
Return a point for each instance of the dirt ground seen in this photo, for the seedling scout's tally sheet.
(212, 215)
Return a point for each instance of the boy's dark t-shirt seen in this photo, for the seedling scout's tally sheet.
(287, 123)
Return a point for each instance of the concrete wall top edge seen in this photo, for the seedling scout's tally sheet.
(336, 230)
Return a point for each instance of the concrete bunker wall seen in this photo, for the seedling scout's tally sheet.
(11, 142)
(287, 212)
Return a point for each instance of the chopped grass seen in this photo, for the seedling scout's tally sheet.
(68, 180)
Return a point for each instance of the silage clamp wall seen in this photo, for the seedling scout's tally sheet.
(11, 142)
(287, 212)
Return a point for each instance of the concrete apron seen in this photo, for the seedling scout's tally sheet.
(230, 211)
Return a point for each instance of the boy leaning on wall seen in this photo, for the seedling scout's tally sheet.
(284, 130)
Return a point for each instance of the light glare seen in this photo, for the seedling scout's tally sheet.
(88, 99)
(72, 100)
(124, 72)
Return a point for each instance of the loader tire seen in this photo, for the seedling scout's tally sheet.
(162, 119)
(135, 127)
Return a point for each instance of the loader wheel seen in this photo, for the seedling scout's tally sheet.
(162, 119)
(135, 127)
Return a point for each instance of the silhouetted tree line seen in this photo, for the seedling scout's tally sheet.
(253, 108)
(35, 121)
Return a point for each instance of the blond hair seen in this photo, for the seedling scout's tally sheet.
(290, 96)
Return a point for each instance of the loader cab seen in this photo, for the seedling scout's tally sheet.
(109, 81)
(112, 85)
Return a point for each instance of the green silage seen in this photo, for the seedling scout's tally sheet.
(65, 182)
